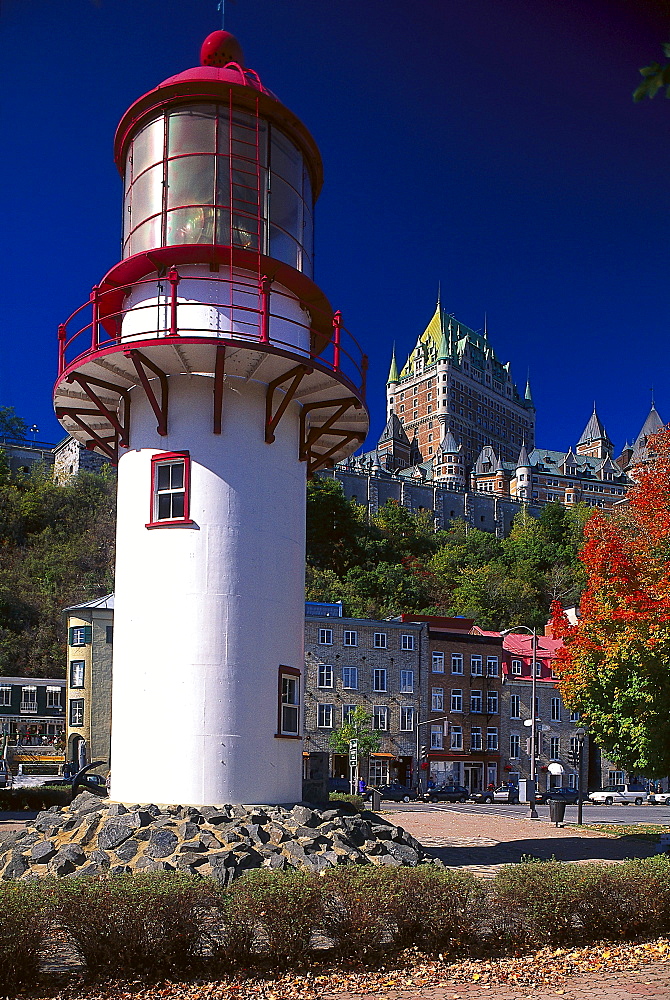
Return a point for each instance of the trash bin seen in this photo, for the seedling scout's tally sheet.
(556, 811)
(376, 800)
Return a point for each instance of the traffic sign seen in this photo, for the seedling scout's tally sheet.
(353, 753)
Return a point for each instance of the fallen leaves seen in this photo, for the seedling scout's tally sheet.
(547, 967)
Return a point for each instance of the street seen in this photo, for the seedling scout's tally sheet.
(591, 813)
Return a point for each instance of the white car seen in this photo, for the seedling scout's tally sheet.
(625, 794)
(659, 798)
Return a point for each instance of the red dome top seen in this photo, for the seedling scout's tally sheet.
(221, 59)
(221, 48)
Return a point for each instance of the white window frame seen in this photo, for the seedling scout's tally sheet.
(554, 747)
(5, 695)
(491, 738)
(407, 643)
(574, 716)
(437, 699)
(492, 666)
(476, 700)
(456, 740)
(437, 663)
(436, 738)
(515, 706)
(380, 718)
(324, 675)
(406, 682)
(476, 739)
(476, 666)
(379, 680)
(406, 719)
(457, 664)
(456, 700)
(380, 640)
(79, 635)
(492, 703)
(53, 696)
(324, 715)
(350, 678)
(325, 637)
(555, 709)
(349, 638)
(515, 669)
(347, 711)
(514, 745)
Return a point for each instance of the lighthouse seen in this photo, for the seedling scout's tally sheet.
(212, 369)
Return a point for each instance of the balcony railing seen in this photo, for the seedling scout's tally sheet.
(98, 323)
(29, 707)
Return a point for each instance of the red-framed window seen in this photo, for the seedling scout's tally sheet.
(170, 490)
(288, 707)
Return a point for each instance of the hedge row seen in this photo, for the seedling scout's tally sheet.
(34, 799)
(164, 923)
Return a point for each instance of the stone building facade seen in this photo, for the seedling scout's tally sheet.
(70, 457)
(351, 662)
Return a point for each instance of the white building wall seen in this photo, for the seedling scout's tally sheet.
(205, 615)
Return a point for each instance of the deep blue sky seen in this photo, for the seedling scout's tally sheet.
(490, 145)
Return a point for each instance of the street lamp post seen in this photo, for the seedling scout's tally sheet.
(533, 710)
(442, 718)
(581, 736)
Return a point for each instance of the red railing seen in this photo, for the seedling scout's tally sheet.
(98, 323)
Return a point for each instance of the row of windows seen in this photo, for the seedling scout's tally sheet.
(325, 716)
(82, 635)
(325, 678)
(554, 748)
(555, 709)
(350, 638)
(437, 738)
(517, 669)
(476, 701)
(457, 664)
(29, 697)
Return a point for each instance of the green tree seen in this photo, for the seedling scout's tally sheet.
(333, 526)
(654, 78)
(358, 728)
(12, 427)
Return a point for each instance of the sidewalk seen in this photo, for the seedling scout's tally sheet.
(482, 843)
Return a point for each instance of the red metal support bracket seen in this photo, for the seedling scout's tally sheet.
(297, 374)
(76, 414)
(219, 371)
(307, 441)
(122, 429)
(62, 337)
(160, 409)
(314, 464)
(266, 285)
(337, 333)
(95, 317)
(173, 278)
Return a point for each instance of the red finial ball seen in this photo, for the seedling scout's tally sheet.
(221, 48)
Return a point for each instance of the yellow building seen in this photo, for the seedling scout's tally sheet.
(89, 681)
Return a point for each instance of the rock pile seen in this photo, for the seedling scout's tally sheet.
(93, 836)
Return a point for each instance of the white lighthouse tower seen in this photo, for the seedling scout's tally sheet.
(209, 365)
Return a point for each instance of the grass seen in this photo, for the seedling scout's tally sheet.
(641, 831)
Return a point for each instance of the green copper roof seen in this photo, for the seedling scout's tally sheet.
(393, 371)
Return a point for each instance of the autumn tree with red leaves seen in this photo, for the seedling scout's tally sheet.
(615, 663)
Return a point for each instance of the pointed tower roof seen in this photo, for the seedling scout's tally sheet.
(448, 444)
(394, 431)
(443, 352)
(499, 467)
(523, 462)
(393, 371)
(594, 430)
(528, 396)
(652, 425)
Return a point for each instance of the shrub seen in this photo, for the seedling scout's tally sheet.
(353, 800)
(34, 799)
(357, 909)
(288, 906)
(25, 919)
(151, 922)
(539, 902)
(629, 900)
(434, 909)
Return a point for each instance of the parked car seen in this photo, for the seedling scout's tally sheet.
(568, 795)
(619, 793)
(505, 793)
(339, 785)
(447, 793)
(395, 791)
(6, 777)
(659, 798)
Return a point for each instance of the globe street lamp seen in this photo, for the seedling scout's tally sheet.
(533, 711)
